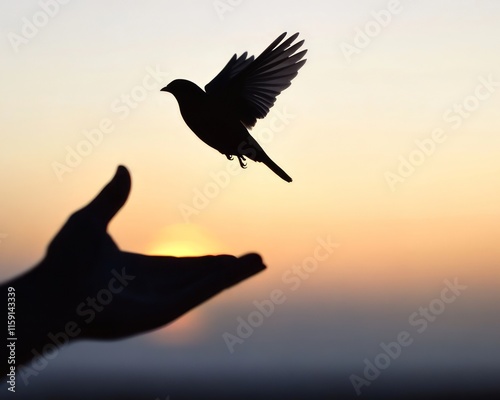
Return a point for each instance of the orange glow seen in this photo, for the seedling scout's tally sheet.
(341, 128)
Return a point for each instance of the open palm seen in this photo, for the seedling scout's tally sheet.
(86, 287)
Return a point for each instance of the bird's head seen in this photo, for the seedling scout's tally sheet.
(173, 86)
(181, 87)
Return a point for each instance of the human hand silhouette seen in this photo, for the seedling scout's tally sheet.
(85, 279)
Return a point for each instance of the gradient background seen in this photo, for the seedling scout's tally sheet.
(351, 122)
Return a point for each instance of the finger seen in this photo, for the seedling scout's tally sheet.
(111, 198)
(171, 286)
(229, 274)
(165, 273)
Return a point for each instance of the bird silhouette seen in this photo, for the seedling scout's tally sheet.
(242, 92)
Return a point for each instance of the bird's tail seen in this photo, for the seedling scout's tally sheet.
(276, 169)
(256, 153)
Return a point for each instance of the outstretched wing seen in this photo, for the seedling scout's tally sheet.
(250, 87)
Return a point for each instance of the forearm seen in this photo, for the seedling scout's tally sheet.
(32, 314)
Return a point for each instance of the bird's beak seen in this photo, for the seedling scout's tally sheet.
(165, 89)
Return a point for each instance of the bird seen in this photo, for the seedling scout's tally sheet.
(243, 91)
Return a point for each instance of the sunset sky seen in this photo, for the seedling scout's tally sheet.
(390, 132)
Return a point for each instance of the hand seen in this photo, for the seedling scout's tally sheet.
(86, 279)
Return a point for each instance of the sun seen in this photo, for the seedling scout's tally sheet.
(184, 240)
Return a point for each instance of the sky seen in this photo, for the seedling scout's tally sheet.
(389, 131)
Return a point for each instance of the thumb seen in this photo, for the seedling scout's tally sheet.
(111, 198)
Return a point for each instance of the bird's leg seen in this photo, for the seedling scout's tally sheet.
(229, 157)
(241, 159)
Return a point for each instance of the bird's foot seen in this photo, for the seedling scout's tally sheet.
(241, 159)
(229, 157)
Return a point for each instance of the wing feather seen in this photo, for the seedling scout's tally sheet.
(250, 86)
